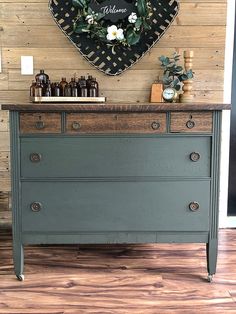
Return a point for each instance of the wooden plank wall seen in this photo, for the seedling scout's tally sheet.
(27, 28)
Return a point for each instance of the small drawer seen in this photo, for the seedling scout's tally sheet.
(40, 123)
(190, 122)
(147, 123)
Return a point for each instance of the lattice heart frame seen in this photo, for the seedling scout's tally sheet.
(99, 54)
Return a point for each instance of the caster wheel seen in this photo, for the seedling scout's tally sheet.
(21, 277)
(209, 278)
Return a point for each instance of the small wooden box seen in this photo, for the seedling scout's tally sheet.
(156, 92)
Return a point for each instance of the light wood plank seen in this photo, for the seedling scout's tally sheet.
(67, 58)
(4, 162)
(4, 121)
(4, 142)
(191, 13)
(130, 80)
(119, 96)
(5, 181)
(52, 37)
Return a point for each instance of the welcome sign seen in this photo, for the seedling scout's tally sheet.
(113, 10)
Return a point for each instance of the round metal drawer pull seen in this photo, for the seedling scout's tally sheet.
(76, 125)
(194, 206)
(39, 125)
(36, 207)
(155, 125)
(190, 124)
(35, 157)
(195, 157)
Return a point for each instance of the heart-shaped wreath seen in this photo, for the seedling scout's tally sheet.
(114, 34)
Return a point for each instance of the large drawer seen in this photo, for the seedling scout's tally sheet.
(116, 156)
(150, 123)
(115, 206)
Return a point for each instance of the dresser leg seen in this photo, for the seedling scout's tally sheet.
(18, 257)
(211, 250)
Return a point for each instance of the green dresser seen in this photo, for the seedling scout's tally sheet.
(115, 173)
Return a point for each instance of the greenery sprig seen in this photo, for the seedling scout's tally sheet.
(174, 74)
(125, 33)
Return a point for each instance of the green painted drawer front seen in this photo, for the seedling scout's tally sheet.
(115, 156)
(115, 206)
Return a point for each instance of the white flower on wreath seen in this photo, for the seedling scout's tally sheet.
(115, 33)
(133, 17)
(90, 19)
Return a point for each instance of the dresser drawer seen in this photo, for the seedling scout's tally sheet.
(116, 156)
(150, 123)
(115, 206)
(190, 122)
(40, 123)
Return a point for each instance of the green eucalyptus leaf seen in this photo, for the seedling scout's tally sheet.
(164, 60)
(161, 58)
(177, 87)
(82, 28)
(178, 69)
(79, 3)
(166, 79)
(102, 34)
(142, 7)
(183, 77)
(132, 37)
(175, 82)
(90, 11)
(190, 74)
(138, 22)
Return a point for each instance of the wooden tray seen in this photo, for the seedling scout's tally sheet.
(68, 99)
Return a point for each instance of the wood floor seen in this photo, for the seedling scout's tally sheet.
(132, 279)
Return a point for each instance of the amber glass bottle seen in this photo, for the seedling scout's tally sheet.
(48, 90)
(67, 91)
(74, 89)
(56, 92)
(96, 86)
(83, 91)
(63, 85)
(42, 76)
(38, 91)
(92, 91)
(32, 89)
(88, 81)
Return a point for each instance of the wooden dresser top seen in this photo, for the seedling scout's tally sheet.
(115, 107)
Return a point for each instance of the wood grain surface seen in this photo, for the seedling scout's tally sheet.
(119, 279)
(118, 107)
(202, 122)
(51, 122)
(146, 123)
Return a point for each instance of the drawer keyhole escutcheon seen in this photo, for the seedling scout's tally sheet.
(155, 125)
(36, 207)
(190, 124)
(194, 206)
(195, 156)
(39, 125)
(35, 157)
(76, 125)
